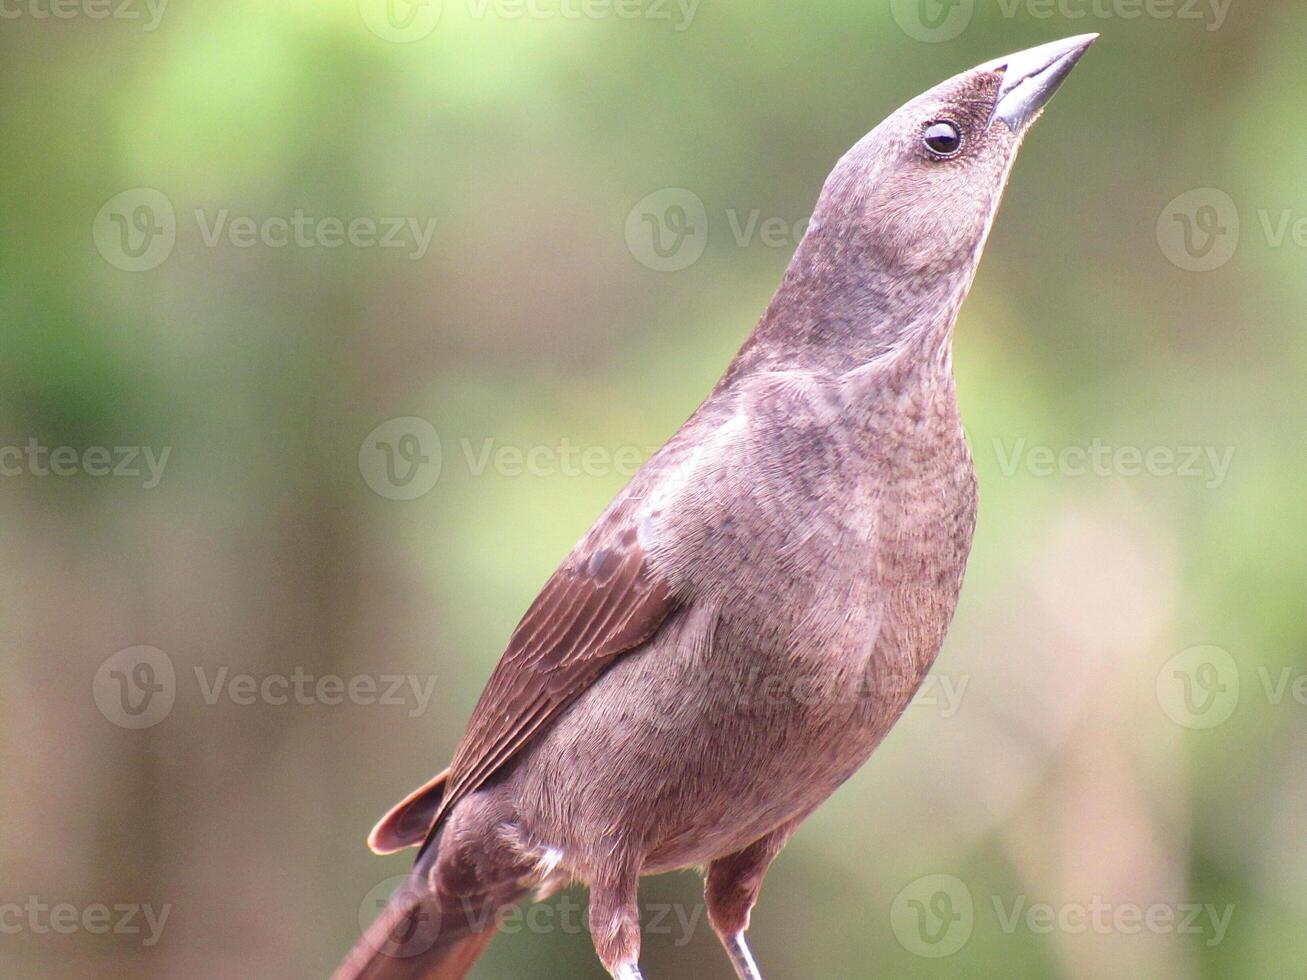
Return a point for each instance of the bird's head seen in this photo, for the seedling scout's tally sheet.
(923, 187)
(897, 233)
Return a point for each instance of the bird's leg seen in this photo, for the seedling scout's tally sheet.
(615, 924)
(746, 967)
(731, 889)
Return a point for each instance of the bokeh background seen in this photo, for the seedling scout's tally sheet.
(368, 458)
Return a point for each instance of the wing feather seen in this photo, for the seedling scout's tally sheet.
(603, 602)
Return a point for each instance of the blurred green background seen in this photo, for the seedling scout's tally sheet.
(1108, 768)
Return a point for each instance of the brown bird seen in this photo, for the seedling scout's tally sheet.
(752, 614)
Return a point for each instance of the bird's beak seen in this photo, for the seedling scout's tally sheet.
(1031, 77)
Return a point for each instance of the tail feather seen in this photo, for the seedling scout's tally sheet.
(410, 820)
(412, 940)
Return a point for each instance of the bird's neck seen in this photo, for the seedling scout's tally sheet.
(845, 305)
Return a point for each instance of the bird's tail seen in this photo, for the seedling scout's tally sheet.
(415, 939)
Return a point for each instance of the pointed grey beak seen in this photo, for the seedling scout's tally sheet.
(1031, 77)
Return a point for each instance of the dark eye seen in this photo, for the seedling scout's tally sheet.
(943, 139)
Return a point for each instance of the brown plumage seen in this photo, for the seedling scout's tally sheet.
(747, 620)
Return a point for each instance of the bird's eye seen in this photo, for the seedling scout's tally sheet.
(943, 139)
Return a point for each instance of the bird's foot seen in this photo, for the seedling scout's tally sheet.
(628, 971)
(746, 968)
